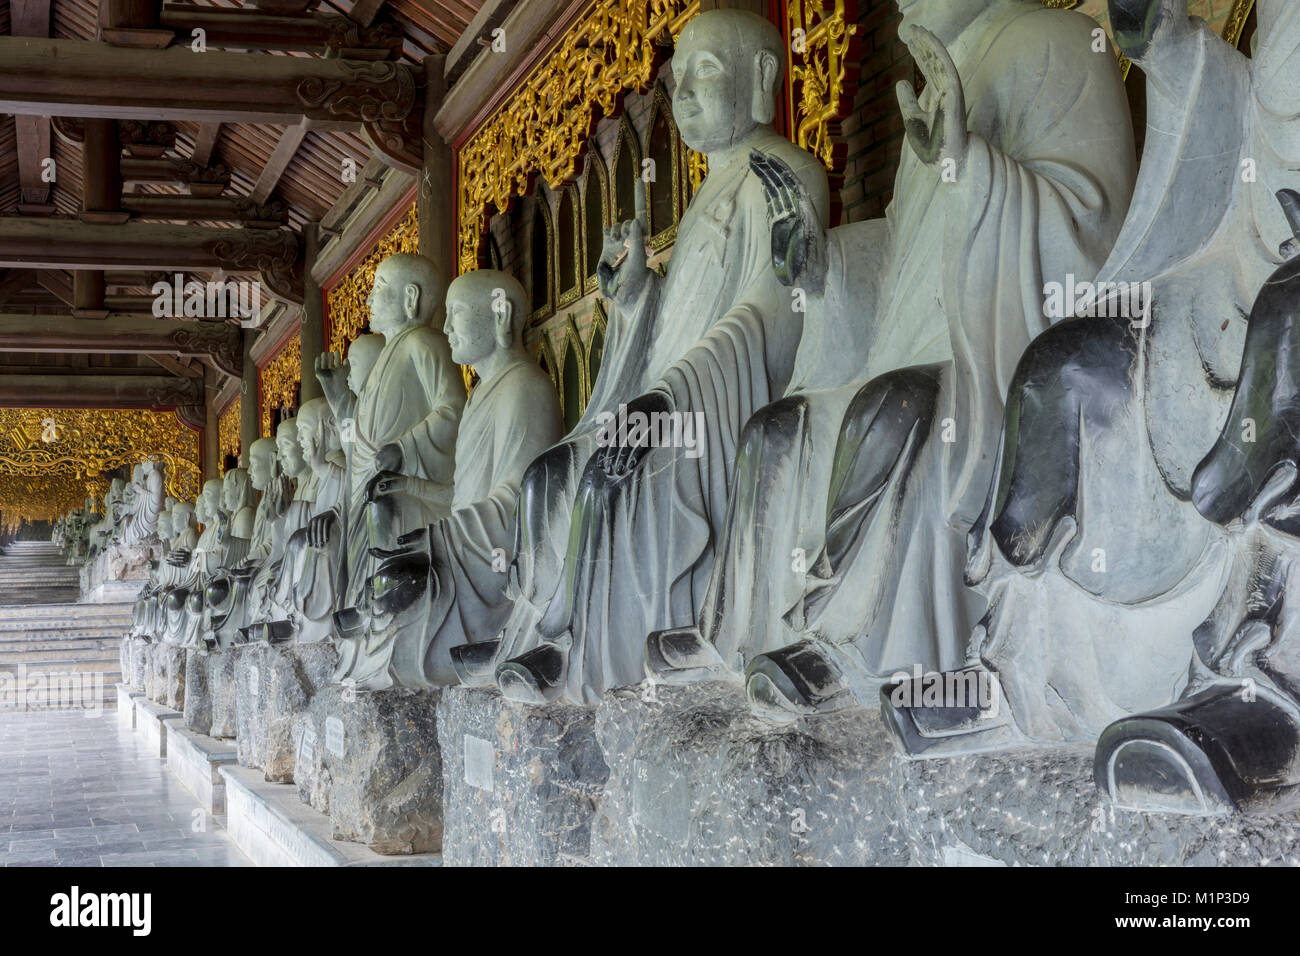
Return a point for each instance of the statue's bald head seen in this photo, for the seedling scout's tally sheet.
(485, 312)
(408, 291)
(727, 67)
(362, 355)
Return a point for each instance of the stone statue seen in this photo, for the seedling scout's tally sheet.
(102, 533)
(446, 586)
(228, 591)
(143, 614)
(342, 382)
(405, 419)
(617, 526)
(1109, 422)
(140, 522)
(301, 605)
(916, 322)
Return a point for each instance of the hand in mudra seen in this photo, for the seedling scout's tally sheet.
(939, 134)
(332, 371)
(320, 529)
(798, 237)
(620, 459)
(622, 267)
(383, 484)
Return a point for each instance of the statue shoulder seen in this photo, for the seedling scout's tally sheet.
(810, 171)
(1028, 32)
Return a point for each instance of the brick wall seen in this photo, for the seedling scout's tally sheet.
(873, 130)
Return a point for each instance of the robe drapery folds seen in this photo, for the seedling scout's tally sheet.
(508, 422)
(605, 561)
(953, 297)
(1205, 236)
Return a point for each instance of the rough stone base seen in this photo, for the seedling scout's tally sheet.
(152, 679)
(520, 783)
(272, 684)
(126, 706)
(696, 779)
(210, 693)
(171, 676)
(272, 827)
(195, 760)
(118, 572)
(371, 761)
(137, 648)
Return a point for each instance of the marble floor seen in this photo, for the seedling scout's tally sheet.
(78, 790)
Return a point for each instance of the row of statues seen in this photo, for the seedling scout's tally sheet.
(127, 516)
(903, 459)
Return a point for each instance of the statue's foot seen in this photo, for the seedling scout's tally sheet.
(533, 678)
(349, 624)
(1230, 747)
(796, 681)
(949, 713)
(681, 655)
(475, 664)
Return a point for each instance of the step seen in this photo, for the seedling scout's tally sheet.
(62, 610)
(100, 665)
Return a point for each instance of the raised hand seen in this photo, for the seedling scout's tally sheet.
(622, 269)
(940, 134)
(384, 483)
(332, 373)
(798, 238)
(320, 529)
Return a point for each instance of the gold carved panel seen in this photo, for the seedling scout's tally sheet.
(348, 312)
(543, 127)
(63, 453)
(228, 427)
(821, 58)
(279, 380)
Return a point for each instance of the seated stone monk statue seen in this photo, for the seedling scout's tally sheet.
(301, 604)
(1102, 570)
(140, 524)
(103, 530)
(147, 599)
(404, 422)
(342, 382)
(445, 585)
(617, 527)
(841, 560)
(226, 595)
(192, 564)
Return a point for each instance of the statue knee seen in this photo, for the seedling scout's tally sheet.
(777, 420)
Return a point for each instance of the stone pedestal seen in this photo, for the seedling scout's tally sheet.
(370, 760)
(126, 706)
(272, 685)
(152, 681)
(520, 783)
(196, 760)
(152, 721)
(210, 693)
(272, 827)
(694, 779)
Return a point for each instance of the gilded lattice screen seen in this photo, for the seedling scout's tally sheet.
(278, 382)
(348, 314)
(228, 427)
(51, 459)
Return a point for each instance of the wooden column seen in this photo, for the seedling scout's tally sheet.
(313, 316)
(101, 198)
(436, 199)
(211, 435)
(249, 404)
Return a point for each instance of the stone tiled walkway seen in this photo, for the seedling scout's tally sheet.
(79, 790)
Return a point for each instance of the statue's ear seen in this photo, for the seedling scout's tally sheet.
(763, 102)
(411, 300)
(503, 316)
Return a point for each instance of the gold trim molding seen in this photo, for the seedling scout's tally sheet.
(818, 73)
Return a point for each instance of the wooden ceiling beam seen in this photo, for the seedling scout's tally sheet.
(216, 342)
(204, 143)
(98, 390)
(279, 161)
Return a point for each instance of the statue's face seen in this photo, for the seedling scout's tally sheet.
(230, 490)
(181, 518)
(261, 463)
(386, 299)
(362, 355)
(286, 443)
(715, 83)
(470, 326)
(165, 525)
(309, 442)
(211, 498)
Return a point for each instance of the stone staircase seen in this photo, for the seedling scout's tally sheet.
(54, 652)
